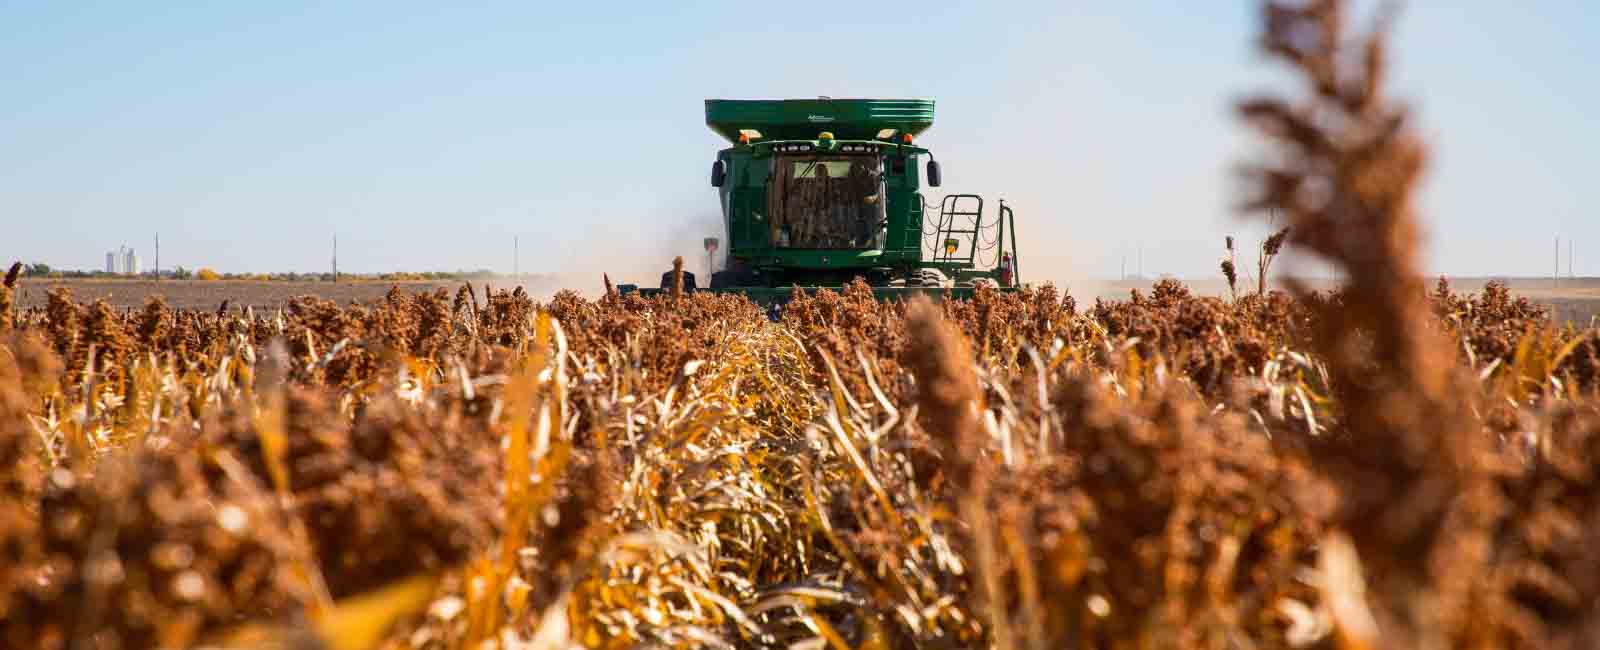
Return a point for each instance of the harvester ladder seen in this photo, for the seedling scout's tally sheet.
(913, 229)
(950, 209)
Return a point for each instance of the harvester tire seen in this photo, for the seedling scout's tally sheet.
(725, 279)
(688, 282)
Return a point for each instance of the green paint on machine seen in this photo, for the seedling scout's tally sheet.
(818, 192)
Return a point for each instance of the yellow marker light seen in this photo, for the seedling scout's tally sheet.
(950, 246)
(744, 138)
(907, 138)
(825, 135)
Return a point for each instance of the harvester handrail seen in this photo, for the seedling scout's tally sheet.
(1006, 215)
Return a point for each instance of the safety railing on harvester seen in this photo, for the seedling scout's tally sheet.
(1009, 217)
(960, 238)
(946, 245)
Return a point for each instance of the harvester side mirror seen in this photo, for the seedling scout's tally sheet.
(719, 173)
(933, 173)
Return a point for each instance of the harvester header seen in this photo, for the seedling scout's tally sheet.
(805, 119)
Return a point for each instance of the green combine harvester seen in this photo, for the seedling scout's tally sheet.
(818, 192)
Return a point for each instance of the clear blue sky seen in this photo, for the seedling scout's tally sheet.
(429, 136)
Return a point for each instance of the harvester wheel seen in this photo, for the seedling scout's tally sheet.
(732, 278)
(688, 282)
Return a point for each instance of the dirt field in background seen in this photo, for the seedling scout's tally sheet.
(1579, 304)
(1576, 300)
(194, 294)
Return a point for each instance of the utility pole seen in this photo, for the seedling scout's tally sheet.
(516, 256)
(1570, 276)
(335, 257)
(158, 256)
(1555, 278)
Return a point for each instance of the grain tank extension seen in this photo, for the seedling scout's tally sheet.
(817, 192)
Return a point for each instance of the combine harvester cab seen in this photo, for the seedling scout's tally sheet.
(818, 192)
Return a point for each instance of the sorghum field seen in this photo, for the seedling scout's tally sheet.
(1388, 465)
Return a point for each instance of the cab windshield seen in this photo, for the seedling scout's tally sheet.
(828, 201)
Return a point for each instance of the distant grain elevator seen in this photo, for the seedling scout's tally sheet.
(123, 261)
